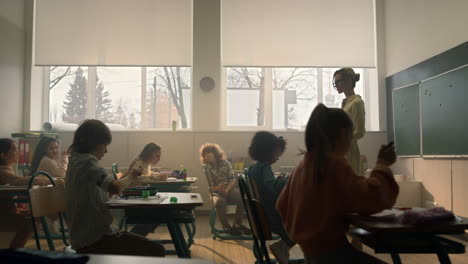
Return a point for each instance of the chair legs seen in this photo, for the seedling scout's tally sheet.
(265, 252)
(36, 234)
(221, 234)
(45, 228)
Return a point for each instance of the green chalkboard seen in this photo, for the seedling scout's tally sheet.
(445, 114)
(406, 120)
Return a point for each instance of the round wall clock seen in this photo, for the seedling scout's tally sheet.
(207, 84)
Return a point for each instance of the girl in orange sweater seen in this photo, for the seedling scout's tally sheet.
(324, 188)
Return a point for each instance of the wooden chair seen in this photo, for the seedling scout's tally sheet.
(47, 201)
(258, 222)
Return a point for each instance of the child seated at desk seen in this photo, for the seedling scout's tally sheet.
(149, 156)
(46, 158)
(87, 188)
(265, 149)
(12, 219)
(324, 188)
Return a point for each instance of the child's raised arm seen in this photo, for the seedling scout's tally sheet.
(118, 186)
(379, 191)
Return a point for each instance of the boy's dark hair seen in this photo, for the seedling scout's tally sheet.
(5, 146)
(264, 144)
(89, 134)
(148, 151)
(40, 152)
(321, 133)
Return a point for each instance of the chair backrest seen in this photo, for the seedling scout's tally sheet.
(31, 181)
(47, 201)
(115, 169)
(258, 220)
(252, 185)
(209, 185)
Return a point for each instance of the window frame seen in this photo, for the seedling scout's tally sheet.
(91, 84)
(268, 97)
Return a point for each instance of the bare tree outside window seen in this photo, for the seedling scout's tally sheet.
(168, 96)
(245, 104)
(294, 93)
(119, 98)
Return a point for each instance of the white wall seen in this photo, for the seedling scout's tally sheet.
(419, 29)
(12, 43)
(181, 148)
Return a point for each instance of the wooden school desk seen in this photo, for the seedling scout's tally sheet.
(172, 214)
(395, 239)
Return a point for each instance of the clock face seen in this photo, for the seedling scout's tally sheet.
(207, 84)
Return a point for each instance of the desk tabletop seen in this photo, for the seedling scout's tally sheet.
(184, 200)
(13, 190)
(116, 259)
(374, 226)
(174, 181)
(6, 188)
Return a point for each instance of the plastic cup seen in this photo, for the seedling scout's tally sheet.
(145, 194)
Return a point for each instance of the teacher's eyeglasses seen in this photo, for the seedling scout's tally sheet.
(336, 82)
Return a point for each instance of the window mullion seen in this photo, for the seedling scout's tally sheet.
(91, 93)
(320, 85)
(143, 98)
(46, 95)
(268, 98)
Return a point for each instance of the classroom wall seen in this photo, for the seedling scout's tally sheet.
(416, 31)
(419, 29)
(181, 148)
(11, 66)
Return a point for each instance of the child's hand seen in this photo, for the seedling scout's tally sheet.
(387, 155)
(119, 175)
(224, 193)
(64, 152)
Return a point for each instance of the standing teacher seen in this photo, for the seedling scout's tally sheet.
(344, 80)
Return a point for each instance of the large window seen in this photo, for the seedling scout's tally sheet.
(282, 98)
(123, 97)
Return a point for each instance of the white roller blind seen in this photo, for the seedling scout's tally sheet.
(113, 32)
(320, 33)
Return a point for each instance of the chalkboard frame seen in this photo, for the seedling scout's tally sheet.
(455, 156)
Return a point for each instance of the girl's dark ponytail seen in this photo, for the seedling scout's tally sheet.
(317, 141)
(321, 134)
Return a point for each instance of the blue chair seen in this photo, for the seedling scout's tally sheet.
(258, 220)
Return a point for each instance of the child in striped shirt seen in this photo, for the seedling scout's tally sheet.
(88, 187)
